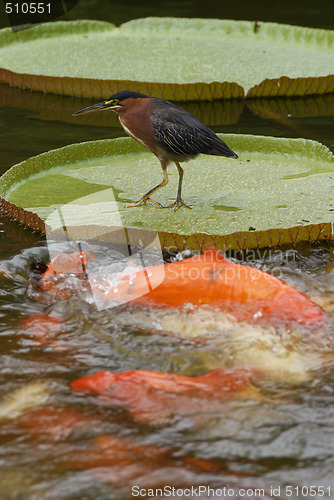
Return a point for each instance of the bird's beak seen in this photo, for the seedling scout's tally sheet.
(96, 107)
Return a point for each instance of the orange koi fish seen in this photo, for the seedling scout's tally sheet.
(211, 279)
(243, 291)
(53, 277)
(109, 457)
(57, 422)
(42, 328)
(151, 396)
(130, 460)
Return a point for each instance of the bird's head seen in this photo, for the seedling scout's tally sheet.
(115, 102)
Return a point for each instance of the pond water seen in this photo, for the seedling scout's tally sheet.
(271, 438)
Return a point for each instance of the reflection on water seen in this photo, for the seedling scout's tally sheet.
(303, 13)
(61, 108)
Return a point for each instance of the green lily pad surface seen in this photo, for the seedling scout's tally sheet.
(174, 58)
(278, 191)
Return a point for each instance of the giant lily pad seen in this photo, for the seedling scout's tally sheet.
(179, 59)
(279, 191)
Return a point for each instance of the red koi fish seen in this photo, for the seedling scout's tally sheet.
(243, 291)
(108, 457)
(53, 277)
(151, 396)
(42, 328)
(211, 279)
(57, 422)
(128, 460)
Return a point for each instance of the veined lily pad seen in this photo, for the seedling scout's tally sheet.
(279, 191)
(173, 58)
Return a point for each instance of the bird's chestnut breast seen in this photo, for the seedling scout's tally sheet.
(135, 119)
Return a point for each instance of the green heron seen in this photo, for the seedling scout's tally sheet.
(170, 132)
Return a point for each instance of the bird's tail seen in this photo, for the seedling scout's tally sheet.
(219, 148)
(222, 149)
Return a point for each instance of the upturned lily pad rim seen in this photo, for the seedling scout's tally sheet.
(100, 88)
(240, 240)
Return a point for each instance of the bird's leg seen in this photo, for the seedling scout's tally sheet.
(146, 196)
(178, 202)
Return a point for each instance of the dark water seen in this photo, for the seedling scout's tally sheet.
(303, 13)
(57, 445)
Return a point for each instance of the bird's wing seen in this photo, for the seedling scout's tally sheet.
(181, 133)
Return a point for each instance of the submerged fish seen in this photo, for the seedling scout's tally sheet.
(120, 461)
(57, 422)
(24, 398)
(157, 397)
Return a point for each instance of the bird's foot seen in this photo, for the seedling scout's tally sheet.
(177, 204)
(144, 200)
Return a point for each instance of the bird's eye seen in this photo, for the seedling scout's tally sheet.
(112, 102)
